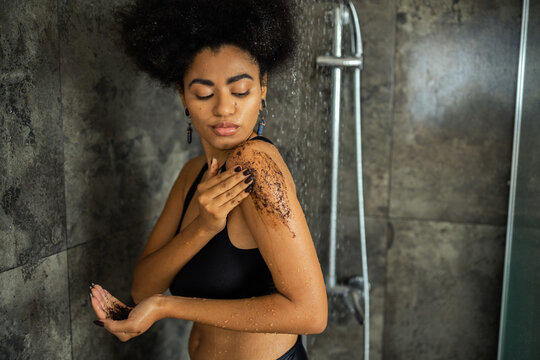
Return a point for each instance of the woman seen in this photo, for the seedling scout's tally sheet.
(232, 242)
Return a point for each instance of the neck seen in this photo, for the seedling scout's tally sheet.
(220, 155)
(211, 152)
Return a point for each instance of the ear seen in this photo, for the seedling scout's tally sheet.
(264, 85)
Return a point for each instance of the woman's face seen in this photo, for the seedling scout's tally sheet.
(223, 93)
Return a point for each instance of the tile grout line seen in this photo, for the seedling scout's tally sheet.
(58, 22)
(375, 217)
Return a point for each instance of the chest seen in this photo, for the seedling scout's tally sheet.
(237, 228)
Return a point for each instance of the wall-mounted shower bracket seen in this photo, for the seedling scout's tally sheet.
(334, 61)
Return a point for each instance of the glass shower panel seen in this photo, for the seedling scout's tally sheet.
(521, 310)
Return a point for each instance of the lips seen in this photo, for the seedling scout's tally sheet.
(225, 129)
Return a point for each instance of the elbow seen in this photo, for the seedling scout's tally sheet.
(322, 323)
(318, 325)
(317, 320)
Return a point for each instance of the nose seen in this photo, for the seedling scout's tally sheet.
(225, 105)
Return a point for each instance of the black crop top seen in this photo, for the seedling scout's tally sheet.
(220, 270)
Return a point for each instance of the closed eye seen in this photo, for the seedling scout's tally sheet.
(241, 94)
(204, 97)
(235, 94)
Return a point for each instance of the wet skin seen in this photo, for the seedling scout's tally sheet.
(223, 91)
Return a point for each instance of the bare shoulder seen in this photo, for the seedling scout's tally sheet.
(259, 156)
(274, 193)
(264, 160)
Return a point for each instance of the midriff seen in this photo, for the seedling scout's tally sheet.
(207, 342)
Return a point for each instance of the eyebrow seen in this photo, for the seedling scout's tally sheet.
(229, 80)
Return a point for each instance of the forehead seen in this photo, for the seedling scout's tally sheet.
(222, 63)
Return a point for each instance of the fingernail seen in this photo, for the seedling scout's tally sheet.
(249, 188)
(249, 179)
(93, 284)
(91, 287)
(99, 323)
(238, 168)
(91, 296)
(247, 172)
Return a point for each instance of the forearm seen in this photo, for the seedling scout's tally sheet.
(267, 314)
(154, 273)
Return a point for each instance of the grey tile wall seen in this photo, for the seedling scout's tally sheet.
(34, 310)
(456, 68)
(443, 290)
(452, 138)
(437, 93)
(121, 129)
(31, 169)
(109, 262)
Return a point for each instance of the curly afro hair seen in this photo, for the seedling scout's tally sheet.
(164, 36)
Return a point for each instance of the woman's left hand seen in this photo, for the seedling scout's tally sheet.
(140, 318)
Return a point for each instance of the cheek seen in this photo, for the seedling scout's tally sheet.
(251, 110)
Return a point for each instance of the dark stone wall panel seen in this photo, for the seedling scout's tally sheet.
(109, 262)
(34, 308)
(122, 131)
(444, 285)
(32, 216)
(456, 67)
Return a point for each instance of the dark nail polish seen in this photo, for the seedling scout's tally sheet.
(247, 172)
(248, 180)
(91, 296)
(238, 168)
(249, 188)
(91, 287)
(99, 323)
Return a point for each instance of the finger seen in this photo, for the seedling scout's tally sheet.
(98, 309)
(98, 296)
(234, 191)
(227, 185)
(99, 292)
(213, 168)
(209, 183)
(237, 200)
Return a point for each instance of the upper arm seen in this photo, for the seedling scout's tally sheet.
(277, 222)
(167, 223)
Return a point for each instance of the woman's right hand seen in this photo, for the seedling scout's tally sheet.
(220, 193)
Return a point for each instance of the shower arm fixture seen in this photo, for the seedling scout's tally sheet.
(345, 14)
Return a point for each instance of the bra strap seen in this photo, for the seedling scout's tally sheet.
(193, 187)
(190, 194)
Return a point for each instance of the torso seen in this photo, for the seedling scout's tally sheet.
(210, 342)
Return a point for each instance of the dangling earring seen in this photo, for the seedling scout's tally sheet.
(262, 122)
(189, 129)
